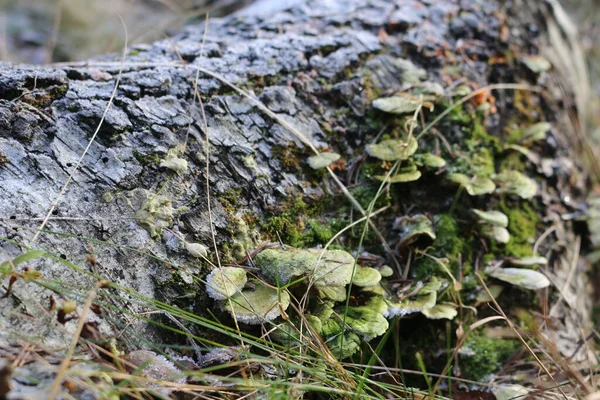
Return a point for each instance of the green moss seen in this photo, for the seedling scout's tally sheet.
(450, 243)
(370, 91)
(229, 200)
(478, 149)
(448, 236)
(475, 160)
(458, 115)
(480, 134)
(522, 226)
(365, 194)
(289, 156)
(481, 356)
(299, 224)
(146, 160)
(482, 162)
(287, 221)
(515, 135)
(318, 232)
(341, 112)
(513, 161)
(60, 91)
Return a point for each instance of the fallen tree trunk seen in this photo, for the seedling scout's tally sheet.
(103, 163)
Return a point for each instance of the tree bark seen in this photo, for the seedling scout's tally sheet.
(318, 65)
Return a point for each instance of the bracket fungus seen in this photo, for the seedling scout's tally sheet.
(496, 218)
(440, 311)
(493, 225)
(197, 250)
(412, 228)
(515, 182)
(366, 277)
(393, 149)
(429, 160)
(254, 307)
(400, 104)
(366, 321)
(223, 283)
(497, 233)
(321, 267)
(400, 177)
(536, 132)
(475, 186)
(322, 160)
(424, 298)
(522, 277)
(527, 261)
(331, 275)
(537, 64)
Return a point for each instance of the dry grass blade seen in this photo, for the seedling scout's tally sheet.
(64, 365)
(511, 325)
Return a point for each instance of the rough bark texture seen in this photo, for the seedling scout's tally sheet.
(317, 64)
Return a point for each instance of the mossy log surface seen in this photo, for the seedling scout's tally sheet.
(318, 65)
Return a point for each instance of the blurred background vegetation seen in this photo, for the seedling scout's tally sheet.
(42, 31)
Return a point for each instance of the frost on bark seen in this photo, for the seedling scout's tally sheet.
(318, 65)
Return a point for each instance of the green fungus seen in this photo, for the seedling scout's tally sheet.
(495, 218)
(461, 91)
(222, 283)
(242, 237)
(322, 160)
(321, 267)
(386, 271)
(474, 186)
(433, 89)
(197, 250)
(255, 307)
(440, 311)
(365, 277)
(535, 133)
(537, 64)
(410, 72)
(522, 277)
(344, 345)
(413, 228)
(429, 160)
(515, 182)
(335, 293)
(393, 149)
(425, 298)
(108, 197)
(366, 321)
(529, 261)
(497, 233)
(286, 333)
(400, 177)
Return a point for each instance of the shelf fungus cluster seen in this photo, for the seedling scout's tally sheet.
(341, 301)
(321, 282)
